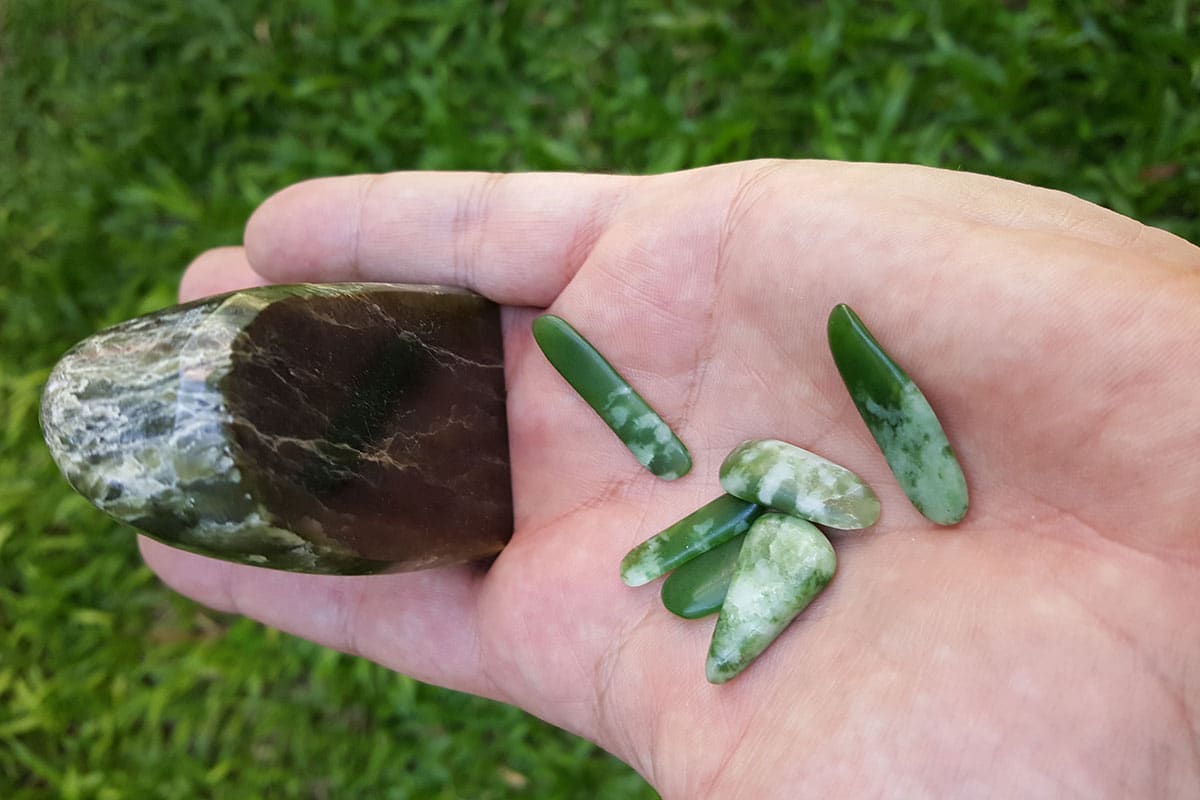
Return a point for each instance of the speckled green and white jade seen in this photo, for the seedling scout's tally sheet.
(916, 449)
(135, 420)
(784, 563)
(636, 424)
(900, 418)
(709, 526)
(795, 481)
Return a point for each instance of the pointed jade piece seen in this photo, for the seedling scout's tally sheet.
(344, 428)
(901, 420)
(783, 565)
(797, 482)
(702, 530)
(635, 423)
(698, 588)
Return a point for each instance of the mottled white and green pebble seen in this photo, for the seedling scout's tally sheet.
(784, 563)
(797, 482)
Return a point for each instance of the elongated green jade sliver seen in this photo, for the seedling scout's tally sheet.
(783, 565)
(797, 482)
(698, 588)
(901, 420)
(636, 424)
(702, 530)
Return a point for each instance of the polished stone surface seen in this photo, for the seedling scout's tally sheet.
(697, 588)
(636, 424)
(344, 428)
(901, 420)
(784, 564)
(795, 481)
(712, 524)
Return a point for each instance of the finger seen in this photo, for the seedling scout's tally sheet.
(514, 238)
(222, 269)
(420, 623)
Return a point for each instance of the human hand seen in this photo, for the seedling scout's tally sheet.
(1046, 646)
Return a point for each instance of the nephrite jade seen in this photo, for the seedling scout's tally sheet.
(345, 428)
(636, 424)
(697, 588)
(797, 482)
(712, 524)
(784, 564)
(900, 418)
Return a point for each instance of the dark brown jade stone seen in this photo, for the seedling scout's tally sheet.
(345, 428)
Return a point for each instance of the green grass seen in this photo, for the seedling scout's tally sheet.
(135, 134)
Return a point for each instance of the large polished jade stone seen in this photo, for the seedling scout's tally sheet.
(344, 428)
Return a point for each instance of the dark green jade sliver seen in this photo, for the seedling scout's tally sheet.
(697, 588)
(636, 424)
(901, 420)
(342, 428)
(712, 524)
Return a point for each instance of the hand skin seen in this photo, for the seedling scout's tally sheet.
(1048, 646)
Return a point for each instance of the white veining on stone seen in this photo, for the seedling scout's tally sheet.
(155, 443)
(136, 419)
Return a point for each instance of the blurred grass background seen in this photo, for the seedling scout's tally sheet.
(135, 134)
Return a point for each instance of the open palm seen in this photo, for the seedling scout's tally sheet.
(1046, 646)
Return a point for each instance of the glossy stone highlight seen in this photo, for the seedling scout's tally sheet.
(710, 525)
(783, 565)
(698, 587)
(636, 424)
(346, 428)
(795, 481)
(901, 420)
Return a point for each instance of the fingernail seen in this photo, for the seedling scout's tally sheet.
(901, 420)
(797, 482)
(636, 424)
(711, 525)
(783, 565)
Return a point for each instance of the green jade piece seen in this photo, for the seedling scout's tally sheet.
(901, 420)
(797, 482)
(711, 525)
(636, 424)
(698, 588)
(339, 428)
(783, 565)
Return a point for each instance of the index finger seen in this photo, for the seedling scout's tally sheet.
(515, 238)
